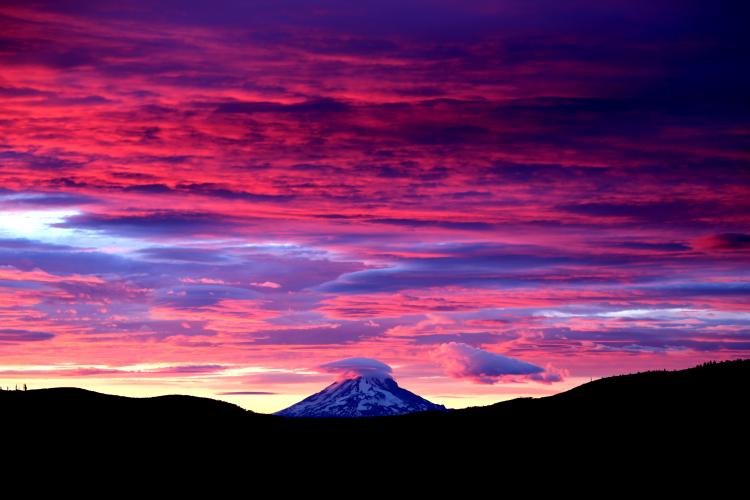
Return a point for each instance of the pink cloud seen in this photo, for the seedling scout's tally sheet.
(357, 367)
(37, 275)
(464, 361)
(266, 284)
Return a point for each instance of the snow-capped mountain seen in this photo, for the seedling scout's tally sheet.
(363, 396)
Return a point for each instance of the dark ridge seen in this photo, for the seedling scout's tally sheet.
(73, 402)
(676, 412)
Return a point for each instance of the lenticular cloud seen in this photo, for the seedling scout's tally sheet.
(357, 367)
(464, 361)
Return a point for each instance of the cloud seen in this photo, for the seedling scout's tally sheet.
(154, 223)
(266, 284)
(339, 333)
(72, 370)
(319, 106)
(30, 160)
(357, 367)
(724, 241)
(217, 191)
(188, 369)
(550, 375)
(14, 336)
(410, 175)
(464, 361)
(25, 200)
(456, 265)
(652, 212)
(9, 273)
(467, 225)
(651, 246)
(183, 254)
(474, 338)
(245, 393)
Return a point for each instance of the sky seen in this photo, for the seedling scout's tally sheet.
(493, 199)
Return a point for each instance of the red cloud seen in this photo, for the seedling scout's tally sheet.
(724, 241)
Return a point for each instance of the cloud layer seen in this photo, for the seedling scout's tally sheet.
(357, 367)
(281, 185)
(464, 361)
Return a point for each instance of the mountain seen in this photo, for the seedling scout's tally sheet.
(631, 431)
(639, 421)
(363, 396)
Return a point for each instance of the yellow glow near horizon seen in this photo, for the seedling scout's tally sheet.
(472, 395)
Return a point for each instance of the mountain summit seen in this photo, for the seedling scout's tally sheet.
(363, 396)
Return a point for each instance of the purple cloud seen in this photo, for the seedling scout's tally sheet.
(724, 241)
(154, 223)
(13, 335)
(464, 361)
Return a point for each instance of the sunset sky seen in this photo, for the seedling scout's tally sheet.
(494, 198)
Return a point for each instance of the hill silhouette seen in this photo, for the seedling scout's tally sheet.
(71, 405)
(678, 412)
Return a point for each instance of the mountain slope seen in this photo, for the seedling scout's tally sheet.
(703, 388)
(364, 396)
(676, 411)
(630, 429)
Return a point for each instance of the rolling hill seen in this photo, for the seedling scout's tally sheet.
(676, 411)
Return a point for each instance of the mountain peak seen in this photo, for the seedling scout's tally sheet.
(371, 395)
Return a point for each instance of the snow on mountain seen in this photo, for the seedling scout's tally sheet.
(369, 395)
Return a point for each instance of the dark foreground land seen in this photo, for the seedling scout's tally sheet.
(659, 417)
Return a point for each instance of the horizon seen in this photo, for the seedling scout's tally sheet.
(484, 200)
(706, 364)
